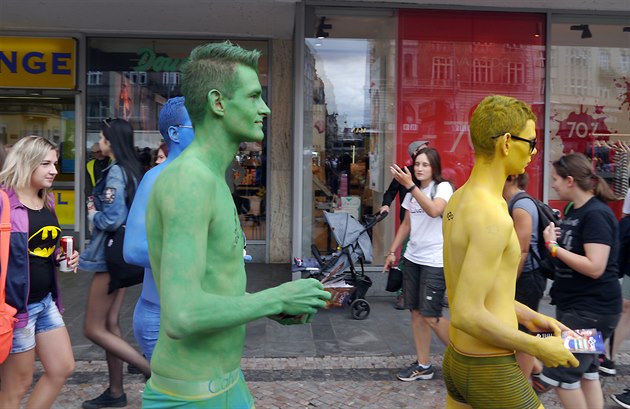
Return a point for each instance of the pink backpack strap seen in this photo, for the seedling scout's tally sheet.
(5, 237)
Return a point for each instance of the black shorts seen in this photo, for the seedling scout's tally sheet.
(424, 288)
(569, 378)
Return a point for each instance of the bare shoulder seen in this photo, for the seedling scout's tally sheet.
(476, 207)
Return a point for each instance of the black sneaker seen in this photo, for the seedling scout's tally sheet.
(133, 370)
(606, 366)
(106, 400)
(622, 399)
(416, 372)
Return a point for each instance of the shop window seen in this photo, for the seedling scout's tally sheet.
(349, 91)
(132, 78)
(481, 53)
(590, 115)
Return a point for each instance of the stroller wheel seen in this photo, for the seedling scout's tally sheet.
(360, 309)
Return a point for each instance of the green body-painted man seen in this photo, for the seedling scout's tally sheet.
(196, 244)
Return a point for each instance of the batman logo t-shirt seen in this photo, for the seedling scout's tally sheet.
(43, 236)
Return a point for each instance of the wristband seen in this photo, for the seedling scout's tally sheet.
(554, 250)
(549, 243)
(391, 253)
(411, 188)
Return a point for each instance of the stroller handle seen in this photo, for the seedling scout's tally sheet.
(371, 220)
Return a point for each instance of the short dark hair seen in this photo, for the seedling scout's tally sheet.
(497, 115)
(212, 66)
(172, 113)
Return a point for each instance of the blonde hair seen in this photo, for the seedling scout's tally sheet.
(22, 160)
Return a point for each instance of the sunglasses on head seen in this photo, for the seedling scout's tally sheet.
(106, 121)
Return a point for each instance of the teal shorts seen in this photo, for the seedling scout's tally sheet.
(229, 391)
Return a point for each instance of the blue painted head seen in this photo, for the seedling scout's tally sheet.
(175, 126)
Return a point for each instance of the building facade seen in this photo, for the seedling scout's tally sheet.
(350, 85)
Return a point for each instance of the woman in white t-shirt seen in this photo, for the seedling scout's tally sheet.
(423, 271)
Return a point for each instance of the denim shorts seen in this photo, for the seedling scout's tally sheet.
(146, 326)
(424, 288)
(42, 316)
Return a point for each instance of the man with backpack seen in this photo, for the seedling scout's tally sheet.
(531, 282)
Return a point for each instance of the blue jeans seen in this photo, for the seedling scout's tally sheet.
(146, 326)
(43, 316)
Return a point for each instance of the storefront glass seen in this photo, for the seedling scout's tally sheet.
(349, 119)
(370, 94)
(133, 78)
(52, 118)
(449, 62)
(590, 98)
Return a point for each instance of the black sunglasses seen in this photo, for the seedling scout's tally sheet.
(531, 142)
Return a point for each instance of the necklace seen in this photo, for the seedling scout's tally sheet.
(36, 204)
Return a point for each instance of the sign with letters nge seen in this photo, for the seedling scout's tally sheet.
(30, 62)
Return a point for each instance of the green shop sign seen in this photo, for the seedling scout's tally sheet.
(150, 62)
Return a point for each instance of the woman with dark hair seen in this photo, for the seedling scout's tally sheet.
(161, 153)
(107, 211)
(586, 290)
(32, 285)
(423, 270)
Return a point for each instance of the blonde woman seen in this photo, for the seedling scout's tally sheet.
(32, 285)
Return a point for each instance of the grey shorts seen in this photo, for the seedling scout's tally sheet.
(424, 288)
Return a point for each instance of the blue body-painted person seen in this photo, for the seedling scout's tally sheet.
(113, 195)
(176, 129)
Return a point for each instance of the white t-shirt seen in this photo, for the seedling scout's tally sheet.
(426, 242)
(626, 203)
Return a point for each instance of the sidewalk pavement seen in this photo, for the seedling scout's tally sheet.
(333, 362)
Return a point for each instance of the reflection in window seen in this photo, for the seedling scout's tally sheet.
(589, 111)
(170, 78)
(442, 68)
(136, 77)
(516, 73)
(95, 78)
(604, 60)
(482, 71)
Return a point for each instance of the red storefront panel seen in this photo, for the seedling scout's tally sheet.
(448, 61)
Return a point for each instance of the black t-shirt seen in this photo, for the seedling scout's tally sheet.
(43, 235)
(594, 222)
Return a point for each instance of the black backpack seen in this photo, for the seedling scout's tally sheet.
(546, 215)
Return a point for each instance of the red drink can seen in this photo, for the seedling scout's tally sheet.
(67, 248)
